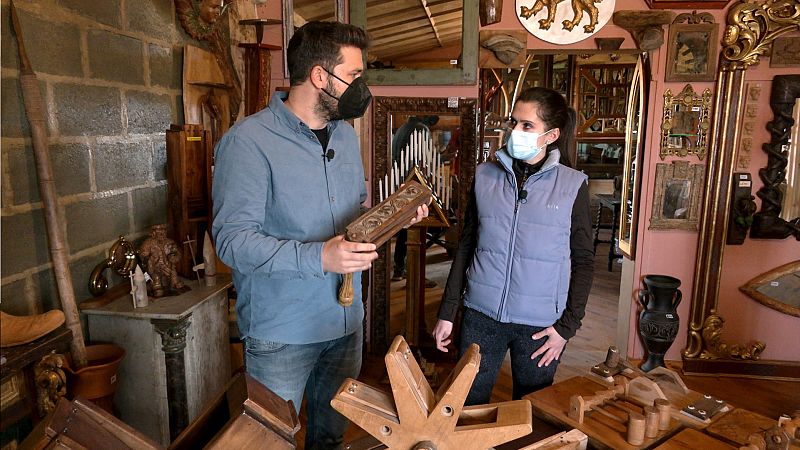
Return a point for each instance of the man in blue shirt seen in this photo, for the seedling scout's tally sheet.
(287, 181)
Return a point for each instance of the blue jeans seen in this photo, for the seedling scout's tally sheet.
(317, 369)
(495, 339)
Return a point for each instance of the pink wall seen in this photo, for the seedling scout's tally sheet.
(670, 252)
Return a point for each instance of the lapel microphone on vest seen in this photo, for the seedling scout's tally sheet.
(523, 195)
(329, 154)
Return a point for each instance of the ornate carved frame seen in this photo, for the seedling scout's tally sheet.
(681, 171)
(378, 310)
(689, 99)
(692, 23)
(751, 28)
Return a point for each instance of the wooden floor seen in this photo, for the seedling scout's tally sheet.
(588, 347)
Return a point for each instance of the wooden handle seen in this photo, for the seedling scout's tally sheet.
(346, 290)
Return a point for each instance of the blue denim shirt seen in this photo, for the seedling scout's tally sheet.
(276, 201)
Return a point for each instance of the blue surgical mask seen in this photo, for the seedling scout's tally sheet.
(522, 144)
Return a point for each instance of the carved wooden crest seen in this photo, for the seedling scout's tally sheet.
(389, 216)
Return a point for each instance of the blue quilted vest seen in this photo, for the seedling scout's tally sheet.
(521, 268)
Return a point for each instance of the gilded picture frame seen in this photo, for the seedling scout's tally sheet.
(686, 123)
(692, 48)
(677, 196)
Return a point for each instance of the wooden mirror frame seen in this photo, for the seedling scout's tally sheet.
(378, 310)
(465, 74)
(634, 158)
(750, 30)
(689, 99)
(287, 16)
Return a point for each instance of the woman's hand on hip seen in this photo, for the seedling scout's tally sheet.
(441, 334)
(551, 349)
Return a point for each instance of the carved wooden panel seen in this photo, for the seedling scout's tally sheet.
(389, 216)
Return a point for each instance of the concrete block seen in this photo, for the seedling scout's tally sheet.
(115, 57)
(155, 17)
(14, 300)
(160, 160)
(107, 12)
(96, 220)
(47, 290)
(121, 165)
(148, 113)
(70, 164)
(166, 66)
(21, 171)
(149, 207)
(88, 110)
(24, 241)
(13, 121)
(52, 45)
(10, 55)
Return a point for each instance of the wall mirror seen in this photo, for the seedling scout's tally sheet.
(297, 12)
(684, 129)
(634, 155)
(677, 195)
(451, 136)
(414, 43)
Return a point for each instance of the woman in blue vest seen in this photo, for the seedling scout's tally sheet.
(525, 261)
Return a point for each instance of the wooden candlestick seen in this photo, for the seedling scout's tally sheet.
(636, 428)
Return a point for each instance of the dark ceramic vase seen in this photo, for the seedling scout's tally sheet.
(658, 322)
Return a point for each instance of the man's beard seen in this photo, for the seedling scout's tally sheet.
(328, 107)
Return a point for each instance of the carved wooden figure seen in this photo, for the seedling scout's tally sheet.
(415, 417)
(161, 254)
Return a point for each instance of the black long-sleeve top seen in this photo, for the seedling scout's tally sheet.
(581, 255)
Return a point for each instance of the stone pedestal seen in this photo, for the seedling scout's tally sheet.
(177, 355)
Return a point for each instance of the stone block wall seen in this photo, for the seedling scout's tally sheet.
(110, 76)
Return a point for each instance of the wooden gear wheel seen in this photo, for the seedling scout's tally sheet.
(416, 418)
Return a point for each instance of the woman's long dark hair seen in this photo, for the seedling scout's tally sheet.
(555, 113)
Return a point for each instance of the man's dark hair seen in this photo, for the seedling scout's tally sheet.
(318, 44)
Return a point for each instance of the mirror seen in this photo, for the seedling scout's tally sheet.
(453, 138)
(633, 157)
(684, 129)
(410, 27)
(677, 196)
(297, 12)
(777, 288)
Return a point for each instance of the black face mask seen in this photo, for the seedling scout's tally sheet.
(354, 100)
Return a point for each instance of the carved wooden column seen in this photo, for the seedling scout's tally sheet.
(173, 342)
(415, 285)
(257, 66)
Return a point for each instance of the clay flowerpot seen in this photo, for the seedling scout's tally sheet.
(97, 381)
(658, 321)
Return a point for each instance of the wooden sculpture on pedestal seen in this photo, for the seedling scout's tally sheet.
(161, 254)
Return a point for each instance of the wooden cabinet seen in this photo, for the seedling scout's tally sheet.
(177, 355)
(600, 97)
(189, 166)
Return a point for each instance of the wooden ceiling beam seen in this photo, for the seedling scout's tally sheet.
(424, 5)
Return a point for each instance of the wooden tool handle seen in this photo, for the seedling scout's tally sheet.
(346, 293)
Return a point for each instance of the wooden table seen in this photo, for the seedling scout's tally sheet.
(552, 404)
(690, 439)
(612, 203)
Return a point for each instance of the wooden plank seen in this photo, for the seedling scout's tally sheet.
(690, 439)
(737, 425)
